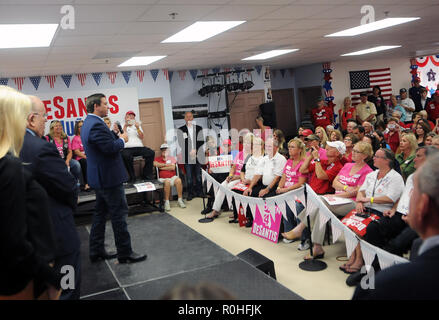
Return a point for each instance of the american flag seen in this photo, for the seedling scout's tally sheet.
(112, 76)
(51, 80)
(82, 77)
(365, 80)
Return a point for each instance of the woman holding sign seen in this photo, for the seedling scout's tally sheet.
(379, 192)
(234, 176)
(292, 179)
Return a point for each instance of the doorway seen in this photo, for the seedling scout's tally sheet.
(153, 123)
(307, 100)
(285, 111)
(244, 108)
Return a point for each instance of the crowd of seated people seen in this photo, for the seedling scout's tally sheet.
(368, 159)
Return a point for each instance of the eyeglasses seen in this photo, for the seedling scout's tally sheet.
(347, 139)
(45, 115)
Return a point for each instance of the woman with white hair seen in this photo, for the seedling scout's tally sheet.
(25, 254)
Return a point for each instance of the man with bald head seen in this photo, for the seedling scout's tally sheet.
(51, 172)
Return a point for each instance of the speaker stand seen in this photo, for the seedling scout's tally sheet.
(312, 264)
(205, 219)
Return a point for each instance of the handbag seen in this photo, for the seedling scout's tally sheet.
(358, 222)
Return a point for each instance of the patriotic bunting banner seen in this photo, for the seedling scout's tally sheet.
(51, 80)
(35, 81)
(170, 73)
(216, 70)
(182, 74)
(166, 73)
(126, 75)
(67, 78)
(97, 76)
(140, 74)
(282, 72)
(19, 82)
(154, 74)
(4, 81)
(258, 69)
(205, 72)
(193, 73)
(82, 77)
(112, 76)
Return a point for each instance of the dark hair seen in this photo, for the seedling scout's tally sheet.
(353, 137)
(360, 129)
(425, 125)
(377, 87)
(92, 100)
(380, 124)
(76, 130)
(374, 142)
(389, 156)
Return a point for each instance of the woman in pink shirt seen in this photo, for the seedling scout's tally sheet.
(79, 153)
(350, 178)
(292, 179)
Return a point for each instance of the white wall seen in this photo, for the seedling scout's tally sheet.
(399, 69)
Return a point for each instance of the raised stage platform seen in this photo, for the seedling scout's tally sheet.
(176, 254)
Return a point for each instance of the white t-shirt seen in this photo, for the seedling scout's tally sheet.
(271, 168)
(407, 102)
(252, 164)
(391, 186)
(404, 201)
(133, 138)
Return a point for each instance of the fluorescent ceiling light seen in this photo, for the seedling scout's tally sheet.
(26, 35)
(376, 49)
(202, 30)
(373, 26)
(140, 61)
(270, 54)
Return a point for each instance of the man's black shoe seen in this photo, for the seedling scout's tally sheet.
(132, 258)
(103, 256)
(189, 197)
(206, 211)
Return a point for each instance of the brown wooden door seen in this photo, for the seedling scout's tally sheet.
(285, 111)
(244, 108)
(308, 100)
(153, 123)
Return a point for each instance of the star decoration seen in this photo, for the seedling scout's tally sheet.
(431, 75)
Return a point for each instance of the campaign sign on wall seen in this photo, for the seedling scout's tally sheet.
(70, 106)
(265, 226)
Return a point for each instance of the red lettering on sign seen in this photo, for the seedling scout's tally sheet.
(114, 106)
(71, 111)
(81, 107)
(48, 109)
(58, 114)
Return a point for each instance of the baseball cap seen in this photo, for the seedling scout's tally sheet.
(402, 90)
(306, 132)
(130, 112)
(164, 146)
(312, 137)
(340, 146)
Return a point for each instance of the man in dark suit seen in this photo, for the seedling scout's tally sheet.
(106, 174)
(418, 279)
(191, 139)
(51, 172)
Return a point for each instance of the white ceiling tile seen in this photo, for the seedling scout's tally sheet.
(83, 41)
(191, 2)
(139, 28)
(184, 13)
(30, 14)
(240, 12)
(108, 13)
(293, 12)
(92, 29)
(307, 24)
(261, 25)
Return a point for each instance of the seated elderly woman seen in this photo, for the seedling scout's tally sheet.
(58, 137)
(251, 163)
(168, 176)
(234, 176)
(349, 141)
(407, 146)
(267, 176)
(350, 178)
(292, 179)
(323, 173)
(79, 153)
(379, 192)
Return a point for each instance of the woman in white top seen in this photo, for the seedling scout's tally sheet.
(232, 179)
(379, 192)
(249, 170)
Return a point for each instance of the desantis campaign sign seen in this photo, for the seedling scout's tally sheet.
(265, 225)
(70, 106)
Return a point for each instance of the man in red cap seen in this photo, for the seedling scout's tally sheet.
(134, 147)
(433, 108)
(305, 133)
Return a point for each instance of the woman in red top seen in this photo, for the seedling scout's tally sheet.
(346, 113)
(322, 116)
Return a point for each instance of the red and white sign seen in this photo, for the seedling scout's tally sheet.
(70, 106)
(240, 186)
(220, 164)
